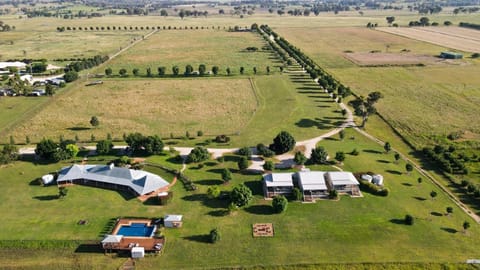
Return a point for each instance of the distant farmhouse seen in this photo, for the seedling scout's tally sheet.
(312, 184)
(137, 182)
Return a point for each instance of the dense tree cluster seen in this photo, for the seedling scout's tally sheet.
(470, 25)
(50, 150)
(86, 63)
(6, 27)
(446, 159)
(152, 145)
(198, 154)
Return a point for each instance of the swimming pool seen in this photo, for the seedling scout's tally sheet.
(136, 229)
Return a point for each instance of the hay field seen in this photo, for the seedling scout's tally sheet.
(421, 102)
(210, 47)
(148, 106)
(327, 46)
(457, 38)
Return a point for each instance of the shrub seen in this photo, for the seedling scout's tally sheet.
(354, 152)
(373, 189)
(297, 194)
(70, 76)
(245, 151)
(264, 151)
(214, 236)
(383, 192)
(268, 166)
(222, 139)
(279, 204)
(226, 175)
(242, 163)
(409, 220)
(333, 194)
(213, 192)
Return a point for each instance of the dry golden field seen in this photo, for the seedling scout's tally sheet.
(458, 38)
(147, 106)
(210, 47)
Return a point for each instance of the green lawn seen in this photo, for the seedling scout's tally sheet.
(353, 230)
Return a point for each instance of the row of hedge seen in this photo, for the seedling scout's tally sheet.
(138, 28)
(45, 244)
(325, 80)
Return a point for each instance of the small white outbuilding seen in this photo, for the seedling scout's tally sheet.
(138, 252)
(377, 179)
(367, 177)
(47, 179)
(173, 221)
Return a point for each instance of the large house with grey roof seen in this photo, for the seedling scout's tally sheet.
(137, 182)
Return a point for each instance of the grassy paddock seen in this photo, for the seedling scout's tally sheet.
(251, 112)
(38, 39)
(194, 47)
(413, 95)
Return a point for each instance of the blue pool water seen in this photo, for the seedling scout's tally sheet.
(136, 229)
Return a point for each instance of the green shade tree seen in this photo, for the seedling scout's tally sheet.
(268, 165)
(299, 158)
(242, 163)
(70, 76)
(62, 192)
(387, 147)
(202, 69)
(319, 155)
(226, 175)
(466, 226)
(279, 204)
(241, 195)
(214, 236)
(104, 147)
(283, 143)
(397, 157)
(94, 121)
(8, 154)
(46, 148)
(175, 70)
(122, 72)
(409, 220)
(215, 70)
(213, 192)
(161, 71)
(72, 150)
(340, 156)
(108, 71)
(409, 168)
